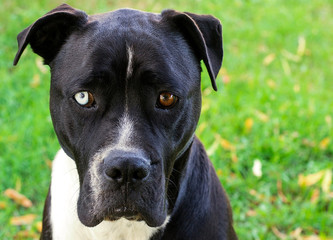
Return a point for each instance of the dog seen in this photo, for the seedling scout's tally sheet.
(125, 100)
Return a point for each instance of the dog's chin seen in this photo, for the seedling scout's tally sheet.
(92, 220)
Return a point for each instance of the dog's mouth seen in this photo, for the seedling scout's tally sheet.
(123, 212)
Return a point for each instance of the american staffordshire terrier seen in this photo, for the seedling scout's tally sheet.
(125, 100)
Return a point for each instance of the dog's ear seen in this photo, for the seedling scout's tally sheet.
(204, 32)
(49, 32)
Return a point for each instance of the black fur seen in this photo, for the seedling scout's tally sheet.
(90, 53)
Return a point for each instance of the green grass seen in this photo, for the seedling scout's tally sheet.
(289, 101)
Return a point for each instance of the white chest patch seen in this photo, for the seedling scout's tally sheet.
(64, 219)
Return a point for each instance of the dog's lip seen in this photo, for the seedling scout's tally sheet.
(124, 212)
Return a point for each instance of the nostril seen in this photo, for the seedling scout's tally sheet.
(113, 173)
(140, 174)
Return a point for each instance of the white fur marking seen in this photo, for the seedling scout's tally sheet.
(64, 219)
(125, 131)
(130, 53)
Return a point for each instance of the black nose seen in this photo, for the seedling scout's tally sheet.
(126, 169)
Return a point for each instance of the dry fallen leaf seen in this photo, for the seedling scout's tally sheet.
(213, 148)
(251, 213)
(254, 193)
(35, 81)
(40, 65)
(327, 181)
(3, 205)
(290, 56)
(328, 120)
(315, 195)
(271, 83)
(296, 233)
(324, 143)
(312, 237)
(25, 234)
(234, 157)
(224, 75)
(311, 179)
(226, 144)
(279, 234)
(22, 220)
(18, 198)
(268, 59)
(39, 226)
(49, 163)
(286, 67)
(301, 46)
(280, 192)
(308, 143)
(262, 116)
(248, 125)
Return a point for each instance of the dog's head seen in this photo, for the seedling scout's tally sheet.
(125, 101)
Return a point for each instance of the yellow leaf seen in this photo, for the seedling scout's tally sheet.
(226, 144)
(296, 233)
(324, 143)
(301, 46)
(279, 234)
(312, 237)
(25, 234)
(248, 125)
(213, 148)
(327, 181)
(251, 213)
(234, 157)
(286, 67)
(297, 88)
(201, 128)
(39, 226)
(328, 120)
(262, 116)
(224, 75)
(271, 84)
(268, 59)
(288, 55)
(18, 198)
(40, 65)
(35, 81)
(3, 205)
(22, 220)
(219, 172)
(311, 179)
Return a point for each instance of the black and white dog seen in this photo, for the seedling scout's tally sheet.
(125, 101)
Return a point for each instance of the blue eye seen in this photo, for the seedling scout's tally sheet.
(85, 99)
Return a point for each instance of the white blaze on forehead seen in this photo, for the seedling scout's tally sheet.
(130, 54)
(129, 72)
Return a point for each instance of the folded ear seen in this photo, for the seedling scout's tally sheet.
(204, 33)
(49, 32)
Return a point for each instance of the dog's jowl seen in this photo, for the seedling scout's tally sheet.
(125, 102)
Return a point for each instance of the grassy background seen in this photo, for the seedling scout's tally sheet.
(275, 105)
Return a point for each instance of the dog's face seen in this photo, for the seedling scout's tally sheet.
(125, 101)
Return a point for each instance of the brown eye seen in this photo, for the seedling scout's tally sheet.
(85, 99)
(167, 100)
